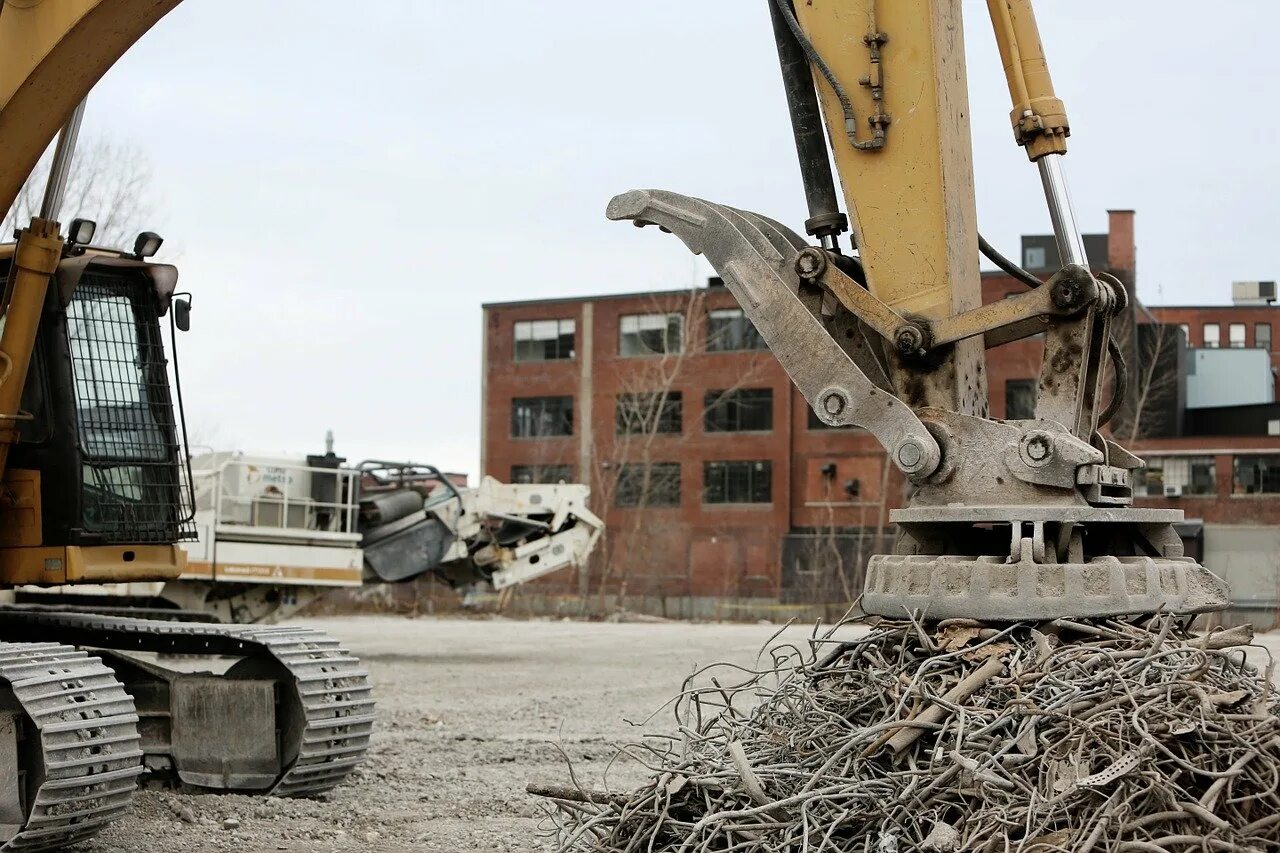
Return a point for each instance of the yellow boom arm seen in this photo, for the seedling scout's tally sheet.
(52, 52)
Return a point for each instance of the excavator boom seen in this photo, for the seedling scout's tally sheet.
(52, 52)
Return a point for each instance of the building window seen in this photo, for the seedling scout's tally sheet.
(729, 330)
(649, 413)
(1186, 332)
(661, 489)
(1172, 476)
(1212, 335)
(1019, 399)
(1033, 258)
(816, 423)
(737, 482)
(537, 417)
(1262, 336)
(1257, 475)
(740, 410)
(544, 340)
(650, 334)
(541, 474)
(1235, 335)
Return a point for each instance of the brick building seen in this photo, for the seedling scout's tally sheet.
(721, 490)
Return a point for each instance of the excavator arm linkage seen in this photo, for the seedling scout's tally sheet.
(1007, 520)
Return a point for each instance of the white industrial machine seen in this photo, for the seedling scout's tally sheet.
(274, 533)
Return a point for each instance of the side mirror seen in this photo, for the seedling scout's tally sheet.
(182, 314)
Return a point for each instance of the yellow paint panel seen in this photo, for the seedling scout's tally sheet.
(911, 203)
(20, 521)
(33, 565)
(97, 564)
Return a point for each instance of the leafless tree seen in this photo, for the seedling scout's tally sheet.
(1153, 386)
(109, 182)
(627, 470)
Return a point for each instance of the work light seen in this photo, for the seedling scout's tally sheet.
(147, 244)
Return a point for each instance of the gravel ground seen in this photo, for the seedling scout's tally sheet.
(468, 712)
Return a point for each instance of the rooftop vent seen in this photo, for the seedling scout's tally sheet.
(1253, 292)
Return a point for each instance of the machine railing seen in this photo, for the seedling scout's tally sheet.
(248, 494)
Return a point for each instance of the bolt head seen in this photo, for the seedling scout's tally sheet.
(910, 454)
(1039, 448)
(811, 263)
(1065, 293)
(833, 404)
(908, 340)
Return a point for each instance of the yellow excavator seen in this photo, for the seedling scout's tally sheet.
(1008, 520)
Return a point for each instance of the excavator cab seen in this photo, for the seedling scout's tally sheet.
(97, 483)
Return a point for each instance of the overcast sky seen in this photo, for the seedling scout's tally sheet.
(343, 189)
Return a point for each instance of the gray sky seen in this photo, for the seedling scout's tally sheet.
(342, 188)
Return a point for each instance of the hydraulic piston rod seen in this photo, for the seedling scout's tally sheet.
(825, 221)
(1039, 118)
(1065, 231)
(55, 187)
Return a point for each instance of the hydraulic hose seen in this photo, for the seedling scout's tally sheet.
(1007, 265)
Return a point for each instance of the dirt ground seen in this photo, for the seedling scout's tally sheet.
(468, 712)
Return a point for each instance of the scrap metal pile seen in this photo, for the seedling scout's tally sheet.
(1103, 735)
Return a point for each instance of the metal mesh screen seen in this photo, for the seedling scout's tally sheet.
(135, 484)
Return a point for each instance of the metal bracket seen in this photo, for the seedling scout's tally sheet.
(756, 257)
(1067, 294)
(1048, 455)
(1105, 485)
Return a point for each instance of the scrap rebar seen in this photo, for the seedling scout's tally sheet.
(1109, 735)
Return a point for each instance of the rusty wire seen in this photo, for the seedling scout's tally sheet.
(1105, 737)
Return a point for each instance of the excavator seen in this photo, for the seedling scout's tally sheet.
(1007, 520)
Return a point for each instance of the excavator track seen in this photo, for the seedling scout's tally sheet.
(90, 753)
(328, 687)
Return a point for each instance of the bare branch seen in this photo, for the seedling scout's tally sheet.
(653, 418)
(109, 183)
(1152, 387)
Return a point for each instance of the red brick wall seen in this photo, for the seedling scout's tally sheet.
(693, 549)
(1224, 506)
(1122, 250)
(506, 378)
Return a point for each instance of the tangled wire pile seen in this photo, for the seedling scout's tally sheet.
(1076, 737)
